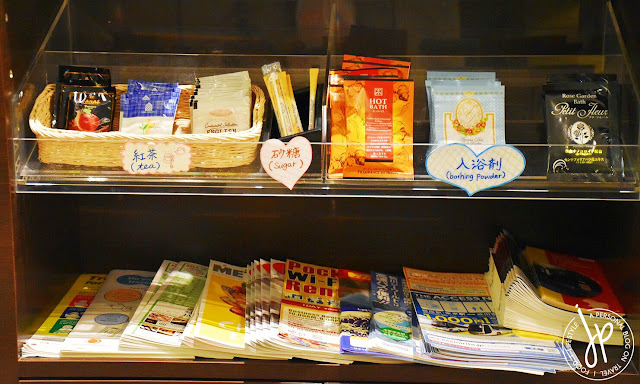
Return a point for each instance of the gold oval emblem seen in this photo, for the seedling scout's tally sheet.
(469, 112)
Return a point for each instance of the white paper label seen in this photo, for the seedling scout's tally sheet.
(286, 162)
(460, 166)
(150, 158)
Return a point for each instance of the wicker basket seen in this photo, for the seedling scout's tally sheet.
(211, 150)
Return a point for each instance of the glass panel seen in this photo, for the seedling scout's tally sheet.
(273, 27)
(252, 179)
(470, 27)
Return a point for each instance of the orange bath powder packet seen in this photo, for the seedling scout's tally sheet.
(364, 62)
(338, 149)
(379, 117)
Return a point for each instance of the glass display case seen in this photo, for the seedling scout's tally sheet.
(75, 211)
(132, 43)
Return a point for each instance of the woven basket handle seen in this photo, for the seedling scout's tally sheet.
(258, 106)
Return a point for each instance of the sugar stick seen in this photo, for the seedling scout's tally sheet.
(313, 85)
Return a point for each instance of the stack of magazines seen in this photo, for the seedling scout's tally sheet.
(541, 291)
(456, 319)
(274, 309)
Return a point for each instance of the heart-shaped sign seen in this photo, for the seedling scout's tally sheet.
(460, 166)
(286, 162)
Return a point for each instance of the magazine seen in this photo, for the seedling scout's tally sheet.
(265, 287)
(257, 299)
(538, 290)
(275, 293)
(251, 305)
(222, 322)
(355, 317)
(455, 315)
(161, 275)
(425, 354)
(310, 310)
(390, 330)
(355, 310)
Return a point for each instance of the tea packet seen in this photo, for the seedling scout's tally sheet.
(226, 80)
(141, 86)
(148, 107)
(221, 103)
(70, 76)
(151, 114)
(90, 109)
(582, 113)
(221, 115)
(471, 114)
(379, 117)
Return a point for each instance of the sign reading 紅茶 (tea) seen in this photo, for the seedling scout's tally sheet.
(152, 158)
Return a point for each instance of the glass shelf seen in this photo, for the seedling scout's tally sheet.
(131, 51)
(34, 176)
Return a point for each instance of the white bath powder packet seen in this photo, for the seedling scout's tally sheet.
(471, 115)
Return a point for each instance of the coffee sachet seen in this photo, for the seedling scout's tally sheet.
(582, 121)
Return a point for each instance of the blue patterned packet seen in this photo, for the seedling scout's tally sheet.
(134, 86)
(473, 115)
(466, 107)
(149, 108)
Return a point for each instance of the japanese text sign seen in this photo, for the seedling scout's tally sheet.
(286, 162)
(150, 158)
(459, 165)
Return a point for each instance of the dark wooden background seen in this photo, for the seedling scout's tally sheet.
(45, 237)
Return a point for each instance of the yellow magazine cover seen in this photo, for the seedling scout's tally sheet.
(223, 318)
(66, 314)
(310, 309)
